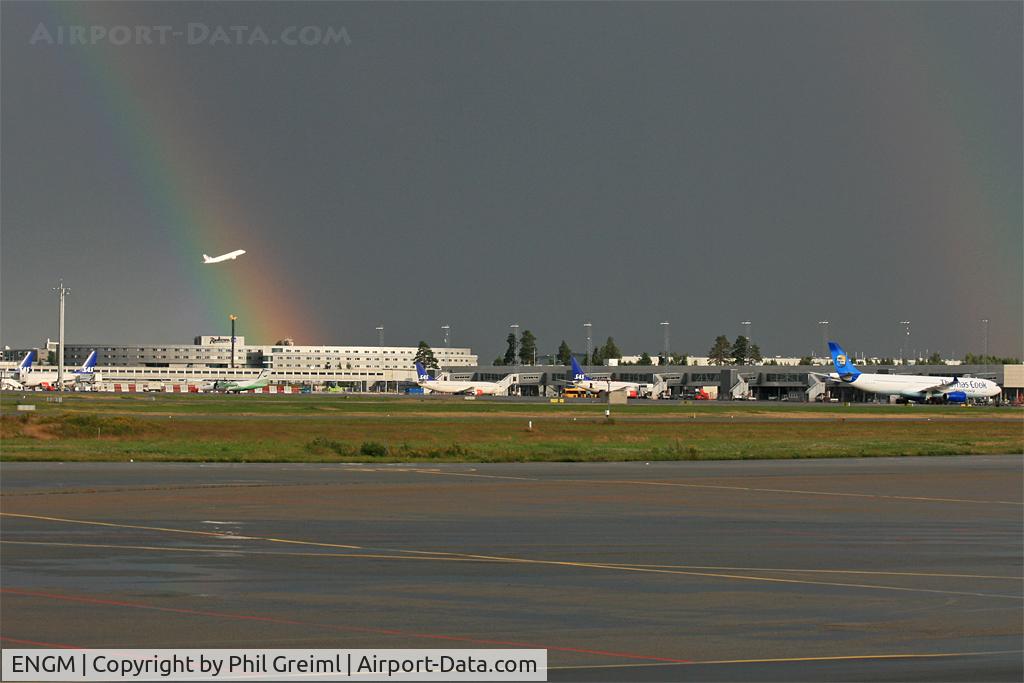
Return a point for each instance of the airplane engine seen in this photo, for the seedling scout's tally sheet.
(956, 397)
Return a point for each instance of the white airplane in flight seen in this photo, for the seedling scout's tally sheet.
(603, 386)
(31, 378)
(922, 388)
(445, 386)
(231, 255)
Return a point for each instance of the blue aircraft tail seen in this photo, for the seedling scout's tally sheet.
(88, 367)
(421, 373)
(844, 366)
(577, 371)
(26, 362)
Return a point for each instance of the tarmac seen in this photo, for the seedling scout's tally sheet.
(898, 569)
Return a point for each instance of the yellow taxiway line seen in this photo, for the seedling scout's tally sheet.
(518, 560)
(835, 658)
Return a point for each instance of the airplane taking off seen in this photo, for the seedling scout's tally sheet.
(31, 378)
(601, 386)
(444, 386)
(231, 255)
(234, 386)
(921, 388)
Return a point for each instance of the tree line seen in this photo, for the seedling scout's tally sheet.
(522, 350)
(739, 352)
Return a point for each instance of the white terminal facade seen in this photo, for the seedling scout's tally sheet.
(210, 358)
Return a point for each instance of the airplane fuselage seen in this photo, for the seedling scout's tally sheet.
(262, 380)
(231, 255)
(37, 379)
(442, 386)
(921, 387)
(598, 385)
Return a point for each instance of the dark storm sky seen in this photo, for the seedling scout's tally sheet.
(543, 164)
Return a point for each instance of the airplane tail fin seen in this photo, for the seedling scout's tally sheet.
(421, 373)
(207, 259)
(577, 371)
(88, 367)
(26, 362)
(844, 366)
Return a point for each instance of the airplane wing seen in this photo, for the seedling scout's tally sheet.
(828, 378)
(942, 388)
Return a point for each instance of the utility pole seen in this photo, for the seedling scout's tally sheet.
(746, 324)
(906, 326)
(984, 321)
(515, 345)
(232, 318)
(823, 324)
(380, 350)
(589, 359)
(447, 341)
(62, 291)
(665, 326)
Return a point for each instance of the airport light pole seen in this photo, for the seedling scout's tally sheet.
(746, 325)
(664, 326)
(232, 318)
(823, 324)
(515, 335)
(380, 351)
(62, 291)
(984, 321)
(447, 341)
(906, 326)
(587, 327)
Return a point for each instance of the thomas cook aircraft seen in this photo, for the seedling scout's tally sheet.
(921, 388)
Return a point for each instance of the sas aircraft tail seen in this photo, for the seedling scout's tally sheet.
(89, 366)
(577, 371)
(26, 363)
(421, 373)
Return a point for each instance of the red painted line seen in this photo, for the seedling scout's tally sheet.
(37, 643)
(335, 627)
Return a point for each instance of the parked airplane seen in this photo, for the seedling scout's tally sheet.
(232, 255)
(31, 378)
(234, 386)
(25, 366)
(923, 388)
(445, 386)
(602, 386)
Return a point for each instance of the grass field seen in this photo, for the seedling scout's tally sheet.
(338, 428)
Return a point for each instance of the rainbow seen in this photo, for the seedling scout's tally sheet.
(194, 208)
(955, 171)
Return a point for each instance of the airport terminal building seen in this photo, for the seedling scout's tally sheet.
(210, 357)
(390, 368)
(737, 382)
